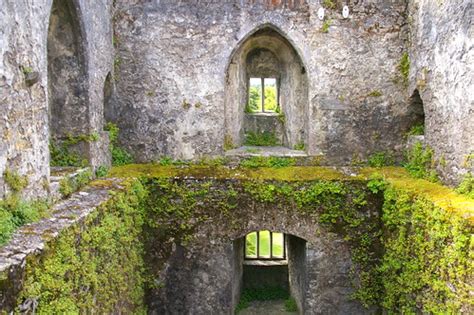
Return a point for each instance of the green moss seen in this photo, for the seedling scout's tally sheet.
(274, 162)
(69, 185)
(265, 138)
(260, 294)
(290, 305)
(380, 159)
(62, 151)
(416, 130)
(419, 162)
(419, 246)
(404, 67)
(228, 143)
(466, 187)
(441, 196)
(120, 156)
(16, 212)
(426, 265)
(15, 181)
(375, 93)
(329, 4)
(300, 146)
(87, 270)
(293, 173)
(326, 24)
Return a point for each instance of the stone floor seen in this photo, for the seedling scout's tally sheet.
(265, 151)
(276, 307)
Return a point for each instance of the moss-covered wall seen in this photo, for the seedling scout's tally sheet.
(164, 242)
(94, 266)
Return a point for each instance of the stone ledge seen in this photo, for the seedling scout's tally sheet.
(31, 239)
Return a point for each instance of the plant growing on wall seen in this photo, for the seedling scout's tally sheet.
(119, 155)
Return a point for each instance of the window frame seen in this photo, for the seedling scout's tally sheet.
(262, 94)
(258, 257)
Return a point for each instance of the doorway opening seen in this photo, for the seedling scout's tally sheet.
(271, 269)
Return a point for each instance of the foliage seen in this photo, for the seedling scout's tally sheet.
(404, 67)
(228, 143)
(255, 102)
(375, 93)
(427, 262)
(420, 163)
(15, 181)
(62, 151)
(266, 139)
(416, 130)
(380, 159)
(120, 156)
(290, 305)
(61, 155)
(101, 171)
(260, 294)
(329, 4)
(300, 146)
(376, 183)
(326, 25)
(466, 187)
(69, 185)
(273, 161)
(98, 269)
(16, 212)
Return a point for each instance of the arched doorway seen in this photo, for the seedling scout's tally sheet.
(266, 91)
(67, 86)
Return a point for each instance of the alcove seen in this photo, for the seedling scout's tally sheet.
(266, 55)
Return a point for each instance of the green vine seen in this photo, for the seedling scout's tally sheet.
(98, 269)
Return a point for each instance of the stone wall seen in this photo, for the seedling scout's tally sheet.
(24, 130)
(297, 255)
(174, 57)
(442, 55)
(200, 272)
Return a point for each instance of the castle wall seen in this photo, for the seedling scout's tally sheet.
(173, 58)
(442, 59)
(24, 131)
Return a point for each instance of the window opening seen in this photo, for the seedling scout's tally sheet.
(265, 245)
(263, 95)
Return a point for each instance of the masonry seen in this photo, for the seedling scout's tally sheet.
(86, 84)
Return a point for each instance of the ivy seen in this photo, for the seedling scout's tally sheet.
(98, 269)
(426, 265)
(120, 156)
(420, 163)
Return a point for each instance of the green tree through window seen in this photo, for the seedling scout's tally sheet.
(265, 245)
(255, 95)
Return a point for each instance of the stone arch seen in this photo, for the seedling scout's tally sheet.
(67, 76)
(293, 86)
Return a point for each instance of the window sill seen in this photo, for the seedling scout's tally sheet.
(265, 114)
(258, 262)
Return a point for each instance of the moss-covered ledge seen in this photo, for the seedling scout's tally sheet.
(56, 264)
(425, 230)
(442, 196)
